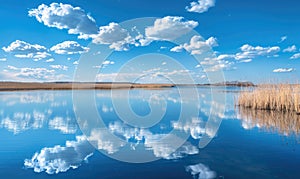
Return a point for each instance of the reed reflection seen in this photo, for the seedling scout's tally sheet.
(286, 123)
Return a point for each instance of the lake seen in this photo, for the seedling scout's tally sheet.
(143, 133)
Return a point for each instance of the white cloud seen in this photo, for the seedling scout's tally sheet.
(283, 70)
(197, 45)
(104, 65)
(29, 74)
(219, 65)
(59, 67)
(115, 36)
(200, 6)
(283, 38)
(295, 56)
(65, 16)
(201, 171)
(69, 47)
(203, 76)
(247, 54)
(169, 28)
(250, 52)
(245, 61)
(225, 56)
(36, 56)
(76, 63)
(50, 60)
(3, 59)
(19, 46)
(22, 49)
(292, 48)
(107, 62)
(60, 159)
(216, 63)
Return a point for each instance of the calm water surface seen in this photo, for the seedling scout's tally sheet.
(45, 135)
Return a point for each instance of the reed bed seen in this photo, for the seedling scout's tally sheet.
(273, 97)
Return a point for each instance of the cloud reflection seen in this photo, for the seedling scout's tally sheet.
(144, 137)
(21, 121)
(60, 159)
(201, 171)
(195, 126)
(65, 124)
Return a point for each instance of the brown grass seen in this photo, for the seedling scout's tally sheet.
(13, 86)
(279, 97)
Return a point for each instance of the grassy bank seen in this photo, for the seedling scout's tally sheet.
(273, 97)
(15, 86)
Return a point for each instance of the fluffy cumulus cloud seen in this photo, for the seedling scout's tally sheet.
(218, 63)
(197, 45)
(65, 16)
(250, 52)
(200, 6)
(3, 59)
(169, 28)
(292, 48)
(115, 36)
(247, 54)
(69, 47)
(20, 46)
(283, 70)
(22, 49)
(61, 158)
(295, 56)
(201, 171)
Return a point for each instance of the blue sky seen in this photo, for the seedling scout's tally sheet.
(255, 40)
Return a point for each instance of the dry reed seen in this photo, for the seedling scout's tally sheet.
(279, 97)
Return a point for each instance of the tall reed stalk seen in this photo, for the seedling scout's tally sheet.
(277, 97)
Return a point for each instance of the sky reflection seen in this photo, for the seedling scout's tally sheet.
(52, 142)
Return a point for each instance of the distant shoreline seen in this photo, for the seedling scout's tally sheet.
(18, 86)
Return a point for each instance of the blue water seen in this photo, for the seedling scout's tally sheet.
(57, 134)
